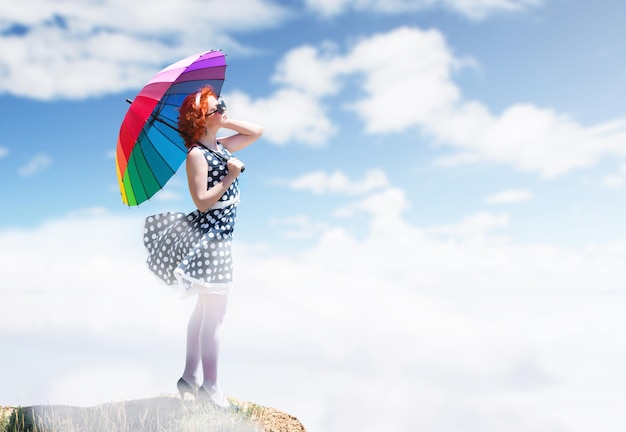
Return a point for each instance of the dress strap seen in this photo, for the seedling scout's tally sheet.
(196, 145)
(223, 155)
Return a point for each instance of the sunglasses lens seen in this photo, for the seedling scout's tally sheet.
(221, 106)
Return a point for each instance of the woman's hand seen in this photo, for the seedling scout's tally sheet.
(234, 166)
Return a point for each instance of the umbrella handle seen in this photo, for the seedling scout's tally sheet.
(243, 168)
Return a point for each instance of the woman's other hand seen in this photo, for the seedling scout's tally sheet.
(234, 166)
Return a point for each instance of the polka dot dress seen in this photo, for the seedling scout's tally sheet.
(193, 251)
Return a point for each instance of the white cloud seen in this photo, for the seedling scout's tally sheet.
(510, 196)
(408, 83)
(527, 137)
(474, 225)
(92, 49)
(479, 9)
(288, 115)
(473, 9)
(616, 180)
(400, 305)
(320, 182)
(99, 378)
(3, 152)
(38, 163)
(613, 181)
(89, 249)
(299, 227)
(473, 324)
(308, 70)
(385, 207)
(168, 196)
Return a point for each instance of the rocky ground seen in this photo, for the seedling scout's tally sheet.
(166, 413)
(271, 419)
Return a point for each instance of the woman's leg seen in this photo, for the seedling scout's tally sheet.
(192, 358)
(213, 311)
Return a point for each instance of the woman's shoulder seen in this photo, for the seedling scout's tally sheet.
(197, 153)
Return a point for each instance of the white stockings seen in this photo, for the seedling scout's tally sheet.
(203, 343)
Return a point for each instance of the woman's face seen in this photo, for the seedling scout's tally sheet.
(216, 110)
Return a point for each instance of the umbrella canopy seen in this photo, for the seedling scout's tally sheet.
(149, 147)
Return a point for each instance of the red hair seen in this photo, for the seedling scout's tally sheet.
(192, 115)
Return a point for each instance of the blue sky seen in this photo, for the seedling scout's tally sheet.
(431, 227)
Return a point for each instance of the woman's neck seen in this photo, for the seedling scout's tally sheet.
(209, 141)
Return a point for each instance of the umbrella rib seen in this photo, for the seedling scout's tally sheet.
(160, 120)
(141, 182)
(160, 154)
(174, 128)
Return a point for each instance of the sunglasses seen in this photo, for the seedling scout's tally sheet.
(220, 108)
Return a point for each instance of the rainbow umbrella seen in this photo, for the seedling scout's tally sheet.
(149, 147)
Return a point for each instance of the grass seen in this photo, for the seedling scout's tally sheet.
(163, 414)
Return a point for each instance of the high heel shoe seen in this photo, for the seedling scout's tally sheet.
(225, 405)
(184, 387)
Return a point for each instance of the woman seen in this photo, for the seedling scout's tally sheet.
(194, 251)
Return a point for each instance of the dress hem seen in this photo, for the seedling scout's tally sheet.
(197, 286)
